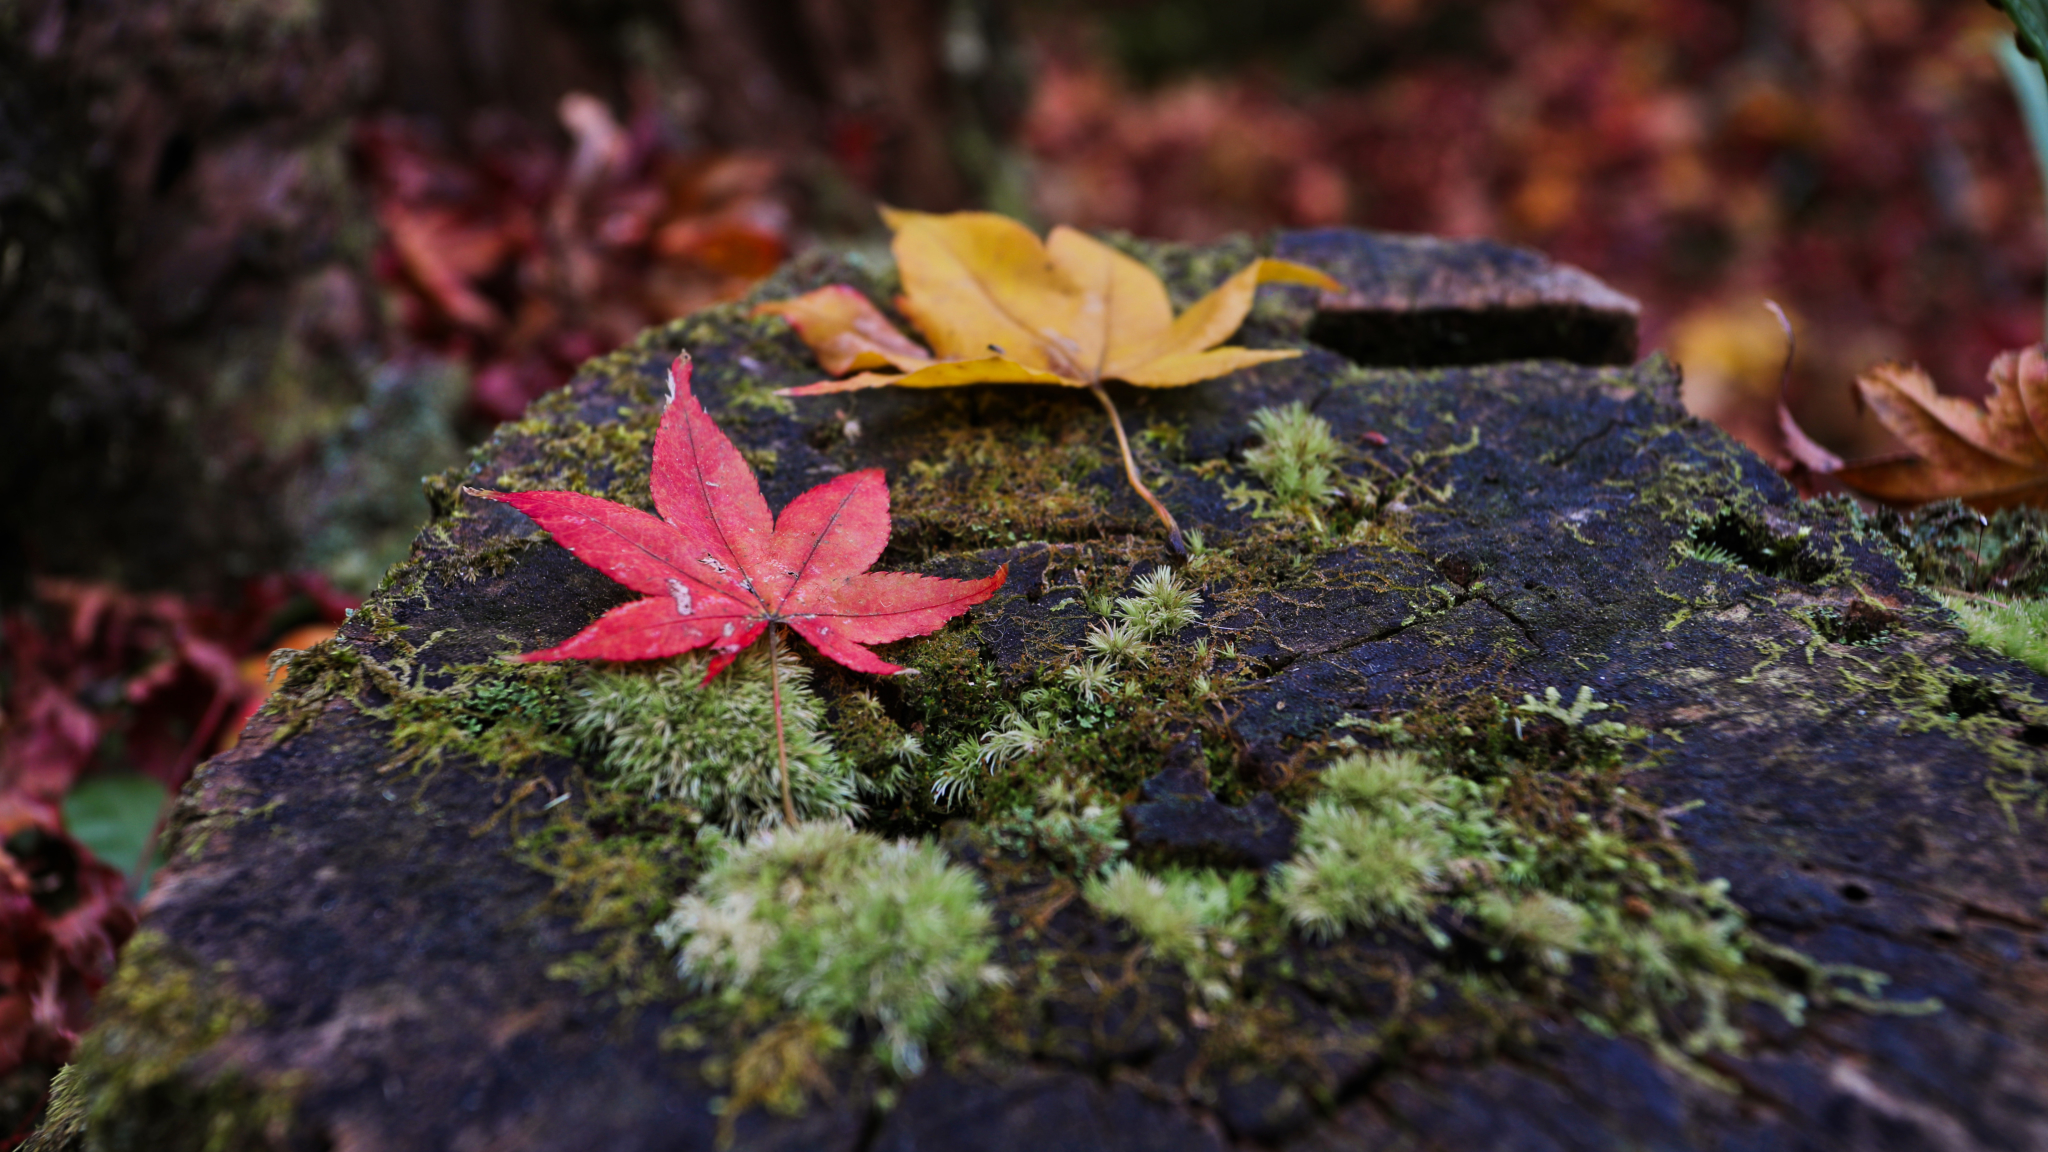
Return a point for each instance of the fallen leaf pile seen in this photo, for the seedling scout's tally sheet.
(524, 261)
(997, 306)
(97, 682)
(63, 918)
(715, 570)
(155, 674)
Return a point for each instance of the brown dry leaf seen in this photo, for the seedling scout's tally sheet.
(998, 306)
(1990, 455)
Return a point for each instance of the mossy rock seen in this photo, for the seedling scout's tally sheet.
(435, 924)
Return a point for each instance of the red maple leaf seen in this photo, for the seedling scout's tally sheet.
(716, 570)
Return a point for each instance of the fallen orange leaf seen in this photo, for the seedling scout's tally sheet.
(1990, 455)
(998, 306)
(259, 679)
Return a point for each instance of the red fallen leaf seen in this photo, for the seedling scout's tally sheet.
(716, 570)
(443, 256)
(63, 918)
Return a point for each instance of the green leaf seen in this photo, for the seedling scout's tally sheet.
(114, 815)
(2031, 16)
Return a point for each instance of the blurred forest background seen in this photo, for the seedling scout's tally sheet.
(265, 263)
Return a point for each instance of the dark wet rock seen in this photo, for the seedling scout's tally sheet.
(1178, 819)
(1038, 1112)
(1859, 775)
(1419, 301)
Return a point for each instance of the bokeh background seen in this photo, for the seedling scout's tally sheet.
(265, 263)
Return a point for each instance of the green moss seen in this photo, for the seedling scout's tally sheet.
(1296, 461)
(1070, 824)
(1992, 713)
(1517, 822)
(1374, 849)
(616, 862)
(839, 926)
(613, 460)
(781, 1069)
(657, 730)
(978, 486)
(1095, 716)
(874, 744)
(145, 1072)
(956, 693)
(1194, 919)
(1950, 545)
(1160, 605)
(2015, 628)
(502, 716)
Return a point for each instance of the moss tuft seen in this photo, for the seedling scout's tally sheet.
(841, 926)
(2015, 628)
(1297, 463)
(1371, 850)
(1549, 927)
(1196, 919)
(657, 730)
(1160, 606)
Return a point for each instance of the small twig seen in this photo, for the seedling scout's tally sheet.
(781, 747)
(1173, 536)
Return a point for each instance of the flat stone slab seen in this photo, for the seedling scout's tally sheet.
(386, 966)
(1423, 300)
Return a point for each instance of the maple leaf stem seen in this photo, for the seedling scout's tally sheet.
(781, 746)
(1116, 422)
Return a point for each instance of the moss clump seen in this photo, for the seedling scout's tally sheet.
(1160, 605)
(1373, 848)
(1196, 919)
(1516, 834)
(982, 486)
(661, 732)
(1950, 545)
(871, 740)
(1095, 716)
(1069, 824)
(142, 1074)
(1297, 463)
(500, 715)
(613, 461)
(840, 926)
(2015, 628)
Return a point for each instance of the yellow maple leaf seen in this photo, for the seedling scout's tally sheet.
(998, 306)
